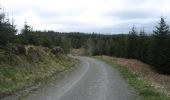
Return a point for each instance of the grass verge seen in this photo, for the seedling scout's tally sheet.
(143, 88)
(18, 72)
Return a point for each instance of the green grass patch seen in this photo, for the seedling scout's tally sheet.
(142, 87)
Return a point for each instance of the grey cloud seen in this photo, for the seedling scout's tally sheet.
(124, 28)
(43, 13)
(47, 14)
(137, 1)
(133, 14)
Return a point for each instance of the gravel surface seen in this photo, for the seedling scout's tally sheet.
(92, 80)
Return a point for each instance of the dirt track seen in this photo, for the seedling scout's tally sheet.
(92, 80)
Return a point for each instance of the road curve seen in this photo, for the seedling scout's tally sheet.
(92, 80)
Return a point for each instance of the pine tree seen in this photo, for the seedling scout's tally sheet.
(26, 35)
(162, 29)
(133, 43)
(143, 48)
(161, 51)
(7, 30)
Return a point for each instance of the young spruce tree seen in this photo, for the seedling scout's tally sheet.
(133, 43)
(161, 47)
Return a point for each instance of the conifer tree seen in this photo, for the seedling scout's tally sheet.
(160, 50)
(26, 34)
(132, 43)
(7, 30)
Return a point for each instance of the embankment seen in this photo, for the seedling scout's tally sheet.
(24, 66)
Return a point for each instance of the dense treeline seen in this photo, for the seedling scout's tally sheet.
(153, 49)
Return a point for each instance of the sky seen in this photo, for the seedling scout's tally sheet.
(101, 16)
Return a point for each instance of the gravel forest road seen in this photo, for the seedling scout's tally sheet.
(92, 80)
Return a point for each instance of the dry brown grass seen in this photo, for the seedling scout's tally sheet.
(160, 81)
(77, 52)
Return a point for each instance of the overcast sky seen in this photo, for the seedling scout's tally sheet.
(102, 16)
